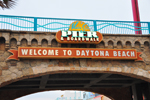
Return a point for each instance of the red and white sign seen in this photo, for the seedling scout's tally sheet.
(48, 53)
(79, 32)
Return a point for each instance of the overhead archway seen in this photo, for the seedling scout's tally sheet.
(109, 84)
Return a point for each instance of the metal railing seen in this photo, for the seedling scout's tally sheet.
(22, 23)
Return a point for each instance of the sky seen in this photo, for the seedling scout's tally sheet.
(47, 95)
(118, 10)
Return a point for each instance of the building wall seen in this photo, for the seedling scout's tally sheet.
(11, 71)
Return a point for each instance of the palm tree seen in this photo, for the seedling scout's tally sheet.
(7, 4)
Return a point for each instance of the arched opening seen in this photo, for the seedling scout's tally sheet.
(44, 43)
(13, 43)
(24, 43)
(137, 46)
(128, 44)
(34, 43)
(110, 44)
(119, 45)
(2, 44)
(108, 84)
(101, 44)
(146, 45)
(54, 43)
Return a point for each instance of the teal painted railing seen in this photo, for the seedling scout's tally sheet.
(21, 23)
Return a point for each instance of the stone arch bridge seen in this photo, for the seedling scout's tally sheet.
(117, 79)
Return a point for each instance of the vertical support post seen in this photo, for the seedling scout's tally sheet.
(137, 92)
(35, 24)
(149, 27)
(95, 25)
(136, 16)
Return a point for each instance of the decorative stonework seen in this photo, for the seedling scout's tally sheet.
(13, 71)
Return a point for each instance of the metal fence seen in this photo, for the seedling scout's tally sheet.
(21, 23)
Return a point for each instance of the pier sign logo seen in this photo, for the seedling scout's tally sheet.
(78, 26)
(79, 32)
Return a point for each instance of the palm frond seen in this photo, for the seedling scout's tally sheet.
(7, 4)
